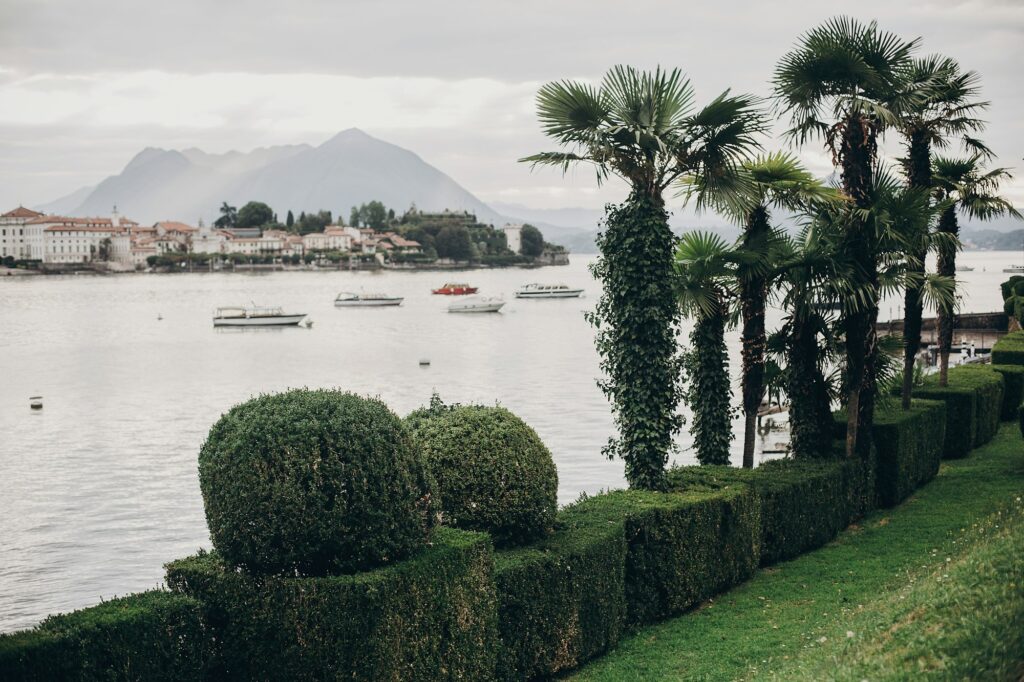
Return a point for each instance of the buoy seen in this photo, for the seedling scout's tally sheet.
(36, 402)
(159, 316)
(424, 362)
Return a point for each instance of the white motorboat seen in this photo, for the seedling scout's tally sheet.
(348, 299)
(255, 316)
(547, 291)
(476, 304)
(964, 268)
(1015, 270)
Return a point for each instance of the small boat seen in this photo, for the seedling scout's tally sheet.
(1015, 270)
(255, 316)
(547, 291)
(36, 402)
(477, 304)
(454, 289)
(348, 299)
(964, 268)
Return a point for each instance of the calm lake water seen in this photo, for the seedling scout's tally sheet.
(100, 488)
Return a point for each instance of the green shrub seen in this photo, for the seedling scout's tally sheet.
(804, 503)
(684, 547)
(314, 482)
(148, 636)
(430, 617)
(989, 385)
(909, 446)
(1013, 389)
(493, 473)
(973, 405)
(1010, 286)
(561, 601)
(1009, 350)
(1020, 418)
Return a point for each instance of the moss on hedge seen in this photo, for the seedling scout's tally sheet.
(429, 617)
(561, 601)
(153, 635)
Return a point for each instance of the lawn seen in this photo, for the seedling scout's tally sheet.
(931, 586)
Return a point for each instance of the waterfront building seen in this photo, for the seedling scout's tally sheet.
(513, 237)
(14, 241)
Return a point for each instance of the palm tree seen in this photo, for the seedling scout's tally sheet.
(228, 216)
(643, 127)
(947, 106)
(705, 282)
(844, 81)
(962, 185)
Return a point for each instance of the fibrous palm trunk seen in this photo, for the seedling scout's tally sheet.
(709, 392)
(920, 176)
(753, 293)
(857, 155)
(947, 268)
(637, 324)
(810, 416)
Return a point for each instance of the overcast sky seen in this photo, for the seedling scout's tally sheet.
(86, 84)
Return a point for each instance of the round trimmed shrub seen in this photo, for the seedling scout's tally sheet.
(492, 471)
(314, 483)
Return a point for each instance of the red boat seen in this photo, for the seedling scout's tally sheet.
(454, 289)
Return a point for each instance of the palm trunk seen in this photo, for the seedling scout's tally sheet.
(809, 406)
(709, 392)
(857, 156)
(753, 292)
(637, 321)
(920, 176)
(947, 268)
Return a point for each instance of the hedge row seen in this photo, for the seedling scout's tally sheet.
(429, 617)
(908, 445)
(974, 401)
(1013, 389)
(153, 635)
(1009, 350)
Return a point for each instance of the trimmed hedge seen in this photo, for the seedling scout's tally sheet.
(973, 404)
(1009, 350)
(1020, 418)
(430, 617)
(562, 600)
(804, 503)
(315, 483)
(909, 446)
(152, 635)
(1013, 389)
(492, 471)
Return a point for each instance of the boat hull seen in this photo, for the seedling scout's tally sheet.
(271, 321)
(378, 303)
(454, 292)
(568, 293)
(483, 308)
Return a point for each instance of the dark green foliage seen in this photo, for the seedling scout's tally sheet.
(532, 241)
(562, 601)
(254, 214)
(1020, 417)
(804, 504)
(1009, 350)
(685, 547)
(454, 242)
(973, 404)
(492, 471)
(709, 389)
(148, 636)
(1013, 389)
(1013, 286)
(314, 482)
(430, 617)
(637, 322)
(909, 446)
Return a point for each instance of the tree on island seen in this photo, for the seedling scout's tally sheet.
(531, 241)
(454, 242)
(289, 220)
(228, 216)
(254, 214)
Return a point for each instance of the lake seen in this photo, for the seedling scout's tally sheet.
(100, 487)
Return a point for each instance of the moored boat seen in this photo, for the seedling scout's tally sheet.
(964, 268)
(547, 291)
(454, 289)
(477, 304)
(255, 316)
(348, 299)
(1015, 270)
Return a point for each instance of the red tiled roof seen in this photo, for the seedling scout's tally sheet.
(174, 226)
(21, 212)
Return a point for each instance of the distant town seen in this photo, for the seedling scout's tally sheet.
(253, 237)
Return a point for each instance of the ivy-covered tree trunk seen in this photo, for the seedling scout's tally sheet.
(857, 155)
(753, 293)
(947, 268)
(810, 414)
(637, 321)
(920, 176)
(708, 390)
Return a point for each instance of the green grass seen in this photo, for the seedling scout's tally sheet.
(772, 627)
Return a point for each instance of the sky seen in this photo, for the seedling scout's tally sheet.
(87, 84)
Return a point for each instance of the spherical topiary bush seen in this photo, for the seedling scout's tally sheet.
(492, 471)
(314, 483)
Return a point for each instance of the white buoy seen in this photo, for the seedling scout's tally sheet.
(36, 402)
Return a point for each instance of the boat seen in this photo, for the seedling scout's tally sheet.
(348, 299)
(477, 304)
(1015, 270)
(547, 291)
(964, 268)
(255, 316)
(454, 289)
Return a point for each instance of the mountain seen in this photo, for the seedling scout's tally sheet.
(349, 169)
